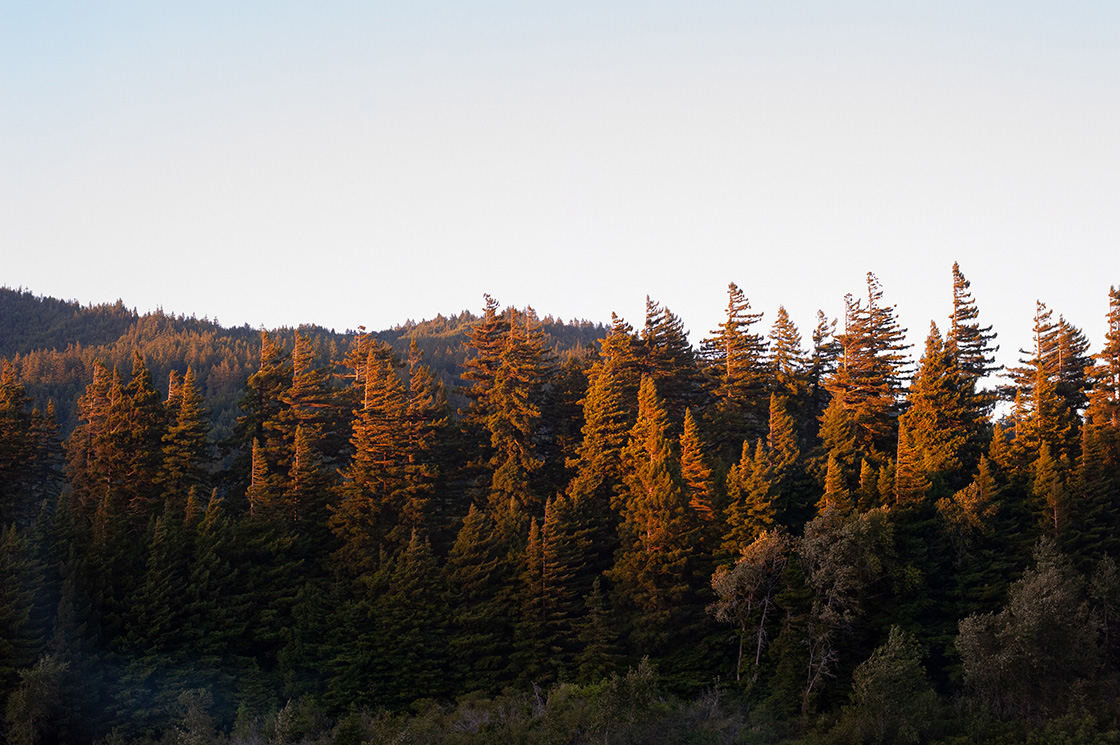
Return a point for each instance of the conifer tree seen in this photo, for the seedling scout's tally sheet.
(143, 425)
(598, 655)
(945, 428)
(477, 573)
(414, 627)
(970, 343)
(695, 472)
(186, 448)
(309, 403)
(784, 454)
(1104, 408)
(735, 359)
(911, 484)
(823, 360)
(525, 366)
(750, 509)
(836, 496)
(789, 366)
(671, 363)
(372, 513)
(872, 368)
(263, 406)
(609, 409)
(1047, 393)
(655, 571)
(20, 640)
(25, 449)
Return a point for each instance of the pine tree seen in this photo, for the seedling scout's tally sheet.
(598, 655)
(20, 640)
(735, 359)
(695, 472)
(789, 366)
(608, 414)
(1104, 408)
(261, 423)
(1047, 393)
(970, 343)
(525, 366)
(945, 428)
(784, 453)
(186, 447)
(25, 449)
(836, 496)
(655, 571)
(873, 366)
(823, 361)
(911, 484)
(142, 429)
(750, 510)
(671, 363)
(414, 627)
(476, 574)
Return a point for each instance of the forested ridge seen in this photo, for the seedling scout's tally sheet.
(502, 528)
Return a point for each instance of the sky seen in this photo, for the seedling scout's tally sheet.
(366, 163)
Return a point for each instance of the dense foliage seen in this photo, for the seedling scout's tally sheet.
(499, 528)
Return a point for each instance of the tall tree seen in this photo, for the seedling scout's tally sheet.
(186, 446)
(873, 366)
(671, 363)
(969, 342)
(656, 570)
(945, 429)
(735, 359)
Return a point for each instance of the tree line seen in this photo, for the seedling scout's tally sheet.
(842, 542)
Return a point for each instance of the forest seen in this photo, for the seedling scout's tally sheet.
(513, 529)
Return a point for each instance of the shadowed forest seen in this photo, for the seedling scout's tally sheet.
(505, 528)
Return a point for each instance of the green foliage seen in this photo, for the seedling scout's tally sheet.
(357, 563)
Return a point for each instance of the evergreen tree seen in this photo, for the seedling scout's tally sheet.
(970, 343)
(695, 472)
(608, 414)
(823, 361)
(1047, 392)
(20, 638)
(872, 368)
(750, 509)
(945, 428)
(669, 360)
(186, 447)
(655, 571)
(477, 573)
(25, 449)
(788, 364)
(525, 366)
(735, 359)
(1104, 408)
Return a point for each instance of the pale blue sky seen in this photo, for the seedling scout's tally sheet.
(366, 163)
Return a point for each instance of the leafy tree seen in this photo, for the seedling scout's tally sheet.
(1025, 660)
(33, 709)
(746, 594)
(892, 699)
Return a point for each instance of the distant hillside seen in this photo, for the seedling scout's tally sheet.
(55, 343)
